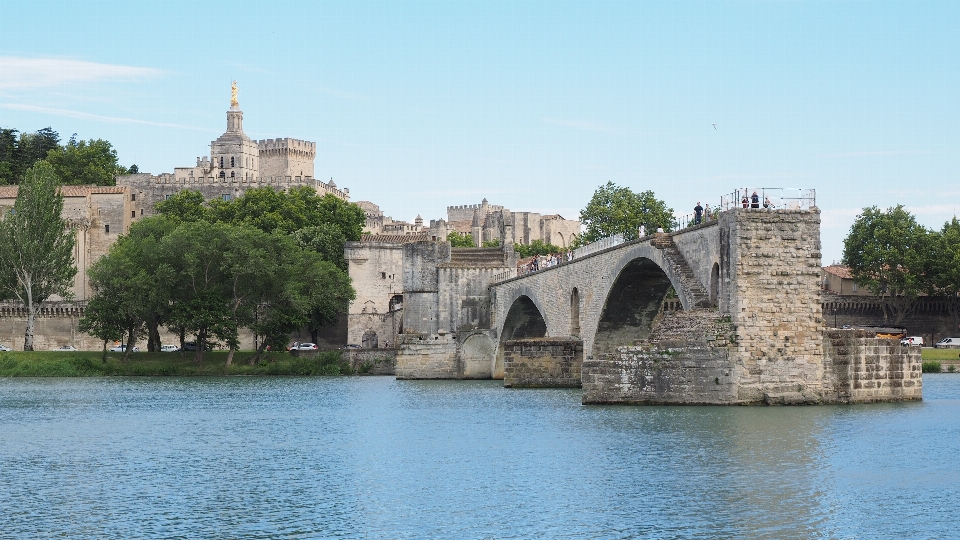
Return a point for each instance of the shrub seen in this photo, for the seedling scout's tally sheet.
(931, 366)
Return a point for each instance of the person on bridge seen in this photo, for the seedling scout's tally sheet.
(706, 212)
(697, 213)
(754, 200)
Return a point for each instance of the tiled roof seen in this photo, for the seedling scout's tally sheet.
(10, 192)
(838, 270)
(394, 238)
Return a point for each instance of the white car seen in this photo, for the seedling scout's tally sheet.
(912, 340)
(67, 348)
(303, 347)
(169, 348)
(123, 348)
(948, 343)
(4, 348)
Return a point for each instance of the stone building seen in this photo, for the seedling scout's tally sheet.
(488, 222)
(837, 279)
(236, 163)
(98, 214)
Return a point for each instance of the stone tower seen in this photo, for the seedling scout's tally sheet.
(234, 154)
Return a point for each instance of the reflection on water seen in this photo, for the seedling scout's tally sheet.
(379, 458)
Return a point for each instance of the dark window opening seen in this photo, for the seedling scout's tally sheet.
(106, 228)
(232, 175)
(133, 213)
(133, 196)
(221, 162)
(231, 164)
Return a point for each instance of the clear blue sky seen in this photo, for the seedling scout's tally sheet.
(420, 105)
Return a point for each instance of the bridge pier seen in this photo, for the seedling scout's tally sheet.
(542, 363)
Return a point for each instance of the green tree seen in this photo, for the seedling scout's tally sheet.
(86, 162)
(945, 259)
(492, 243)
(459, 239)
(888, 253)
(327, 239)
(36, 245)
(537, 247)
(184, 207)
(618, 210)
(17, 154)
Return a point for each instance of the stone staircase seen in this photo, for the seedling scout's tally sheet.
(476, 257)
(695, 290)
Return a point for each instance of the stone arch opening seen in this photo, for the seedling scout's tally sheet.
(523, 321)
(476, 355)
(575, 313)
(715, 285)
(370, 340)
(396, 302)
(632, 305)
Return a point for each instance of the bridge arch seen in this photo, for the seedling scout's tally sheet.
(523, 320)
(632, 303)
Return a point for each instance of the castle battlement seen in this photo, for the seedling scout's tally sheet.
(287, 144)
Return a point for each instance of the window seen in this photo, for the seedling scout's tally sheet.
(221, 162)
(141, 211)
(383, 275)
(231, 164)
(106, 228)
(223, 174)
(232, 174)
(855, 287)
(225, 196)
(133, 213)
(133, 196)
(166, 197)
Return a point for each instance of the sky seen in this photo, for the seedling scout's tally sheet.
(533, 105)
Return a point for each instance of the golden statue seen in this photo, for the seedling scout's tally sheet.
(233, 95)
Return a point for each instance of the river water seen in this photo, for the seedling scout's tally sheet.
(372, 457)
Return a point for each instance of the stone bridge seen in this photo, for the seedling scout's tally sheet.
(611, 297)
(751, 329)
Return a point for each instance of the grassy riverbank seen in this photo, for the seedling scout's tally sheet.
(143, 364)
(940, 354)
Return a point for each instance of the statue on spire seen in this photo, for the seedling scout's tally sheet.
(233, 95)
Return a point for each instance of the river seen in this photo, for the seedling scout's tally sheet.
(372, 457)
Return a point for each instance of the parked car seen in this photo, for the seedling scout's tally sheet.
(67, 348)
(351, 346)
(169, 348)
(123, 348)
(4, 348)
(303, 347)
(948, 343)
(192, 346)
(912, 340)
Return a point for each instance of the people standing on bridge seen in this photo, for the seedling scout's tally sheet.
(697, 214)
(754, 200)
(767, 203)
(746, 200)
(706, 212)
(643, 231)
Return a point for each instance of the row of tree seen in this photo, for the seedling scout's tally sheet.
(898, 260)
(76, 162)
(271, 262)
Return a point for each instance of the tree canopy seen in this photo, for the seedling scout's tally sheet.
(459, 239)
(889, 254)
(268, 261)
(36, 245)
(618, 210)
(77, 162)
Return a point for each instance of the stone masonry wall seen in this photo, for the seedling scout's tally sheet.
(861, 368)
(770, 268)
(686, 360)
(542, 363)
(427, 356)
(373, 361)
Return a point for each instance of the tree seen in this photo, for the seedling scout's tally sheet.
(184, 207)
(618, 210)
(459, 239)
(537, 247)
(327, 239)
(17, 154)
(945, 258)
(86, 162)
(36, 247)
(889, 254)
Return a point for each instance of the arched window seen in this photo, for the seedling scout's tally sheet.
(221, 162)
(232, 174)
(231, 163)
(223, 174)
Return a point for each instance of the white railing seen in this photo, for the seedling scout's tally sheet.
(770, 198)
(599, 245)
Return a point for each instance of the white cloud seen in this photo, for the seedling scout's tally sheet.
(25, 73)
(96, 117)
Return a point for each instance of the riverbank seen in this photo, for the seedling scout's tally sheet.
(145, 364)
